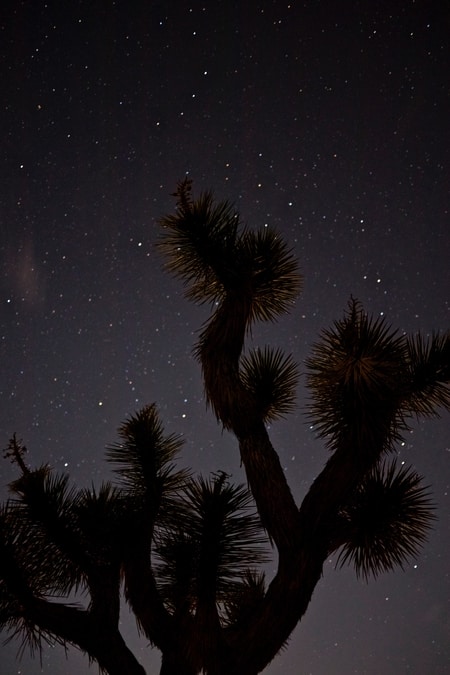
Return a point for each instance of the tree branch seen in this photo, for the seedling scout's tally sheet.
(82, 629)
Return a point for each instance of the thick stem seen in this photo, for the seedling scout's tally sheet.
(145, 601)
(253, 646)
(267, 480)
(220, 349)
(287, 599)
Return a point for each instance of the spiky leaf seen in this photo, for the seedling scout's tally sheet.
(387, 520)
(203, 245)
(105, 521)
(357, 377)
(221, 539)
(175, 567)
(272, 378)
(144, 457)
(273, 278)
(429, 369)
(247, 598)
(45, 524)
(199, 243)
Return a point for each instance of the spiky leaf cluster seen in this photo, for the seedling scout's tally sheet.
(175, 564)
(18, 584)
(204, 245)
(104, 517)
(246, 599)
(272, 279)
(18, 581)
(221, 539)
(357, 377)
(429, 369)
(55, 539)
(48, 536)
(387, 520)
(199, 243)
(144, 457)
(272, 378)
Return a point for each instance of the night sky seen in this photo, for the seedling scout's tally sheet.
(327, 120)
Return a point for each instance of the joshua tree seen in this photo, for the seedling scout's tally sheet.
(187, 551)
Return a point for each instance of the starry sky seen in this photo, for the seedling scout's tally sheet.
(327, 120)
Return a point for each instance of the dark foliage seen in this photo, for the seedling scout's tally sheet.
(387, 519)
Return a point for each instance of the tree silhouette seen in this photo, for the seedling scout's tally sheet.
(186, 551)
